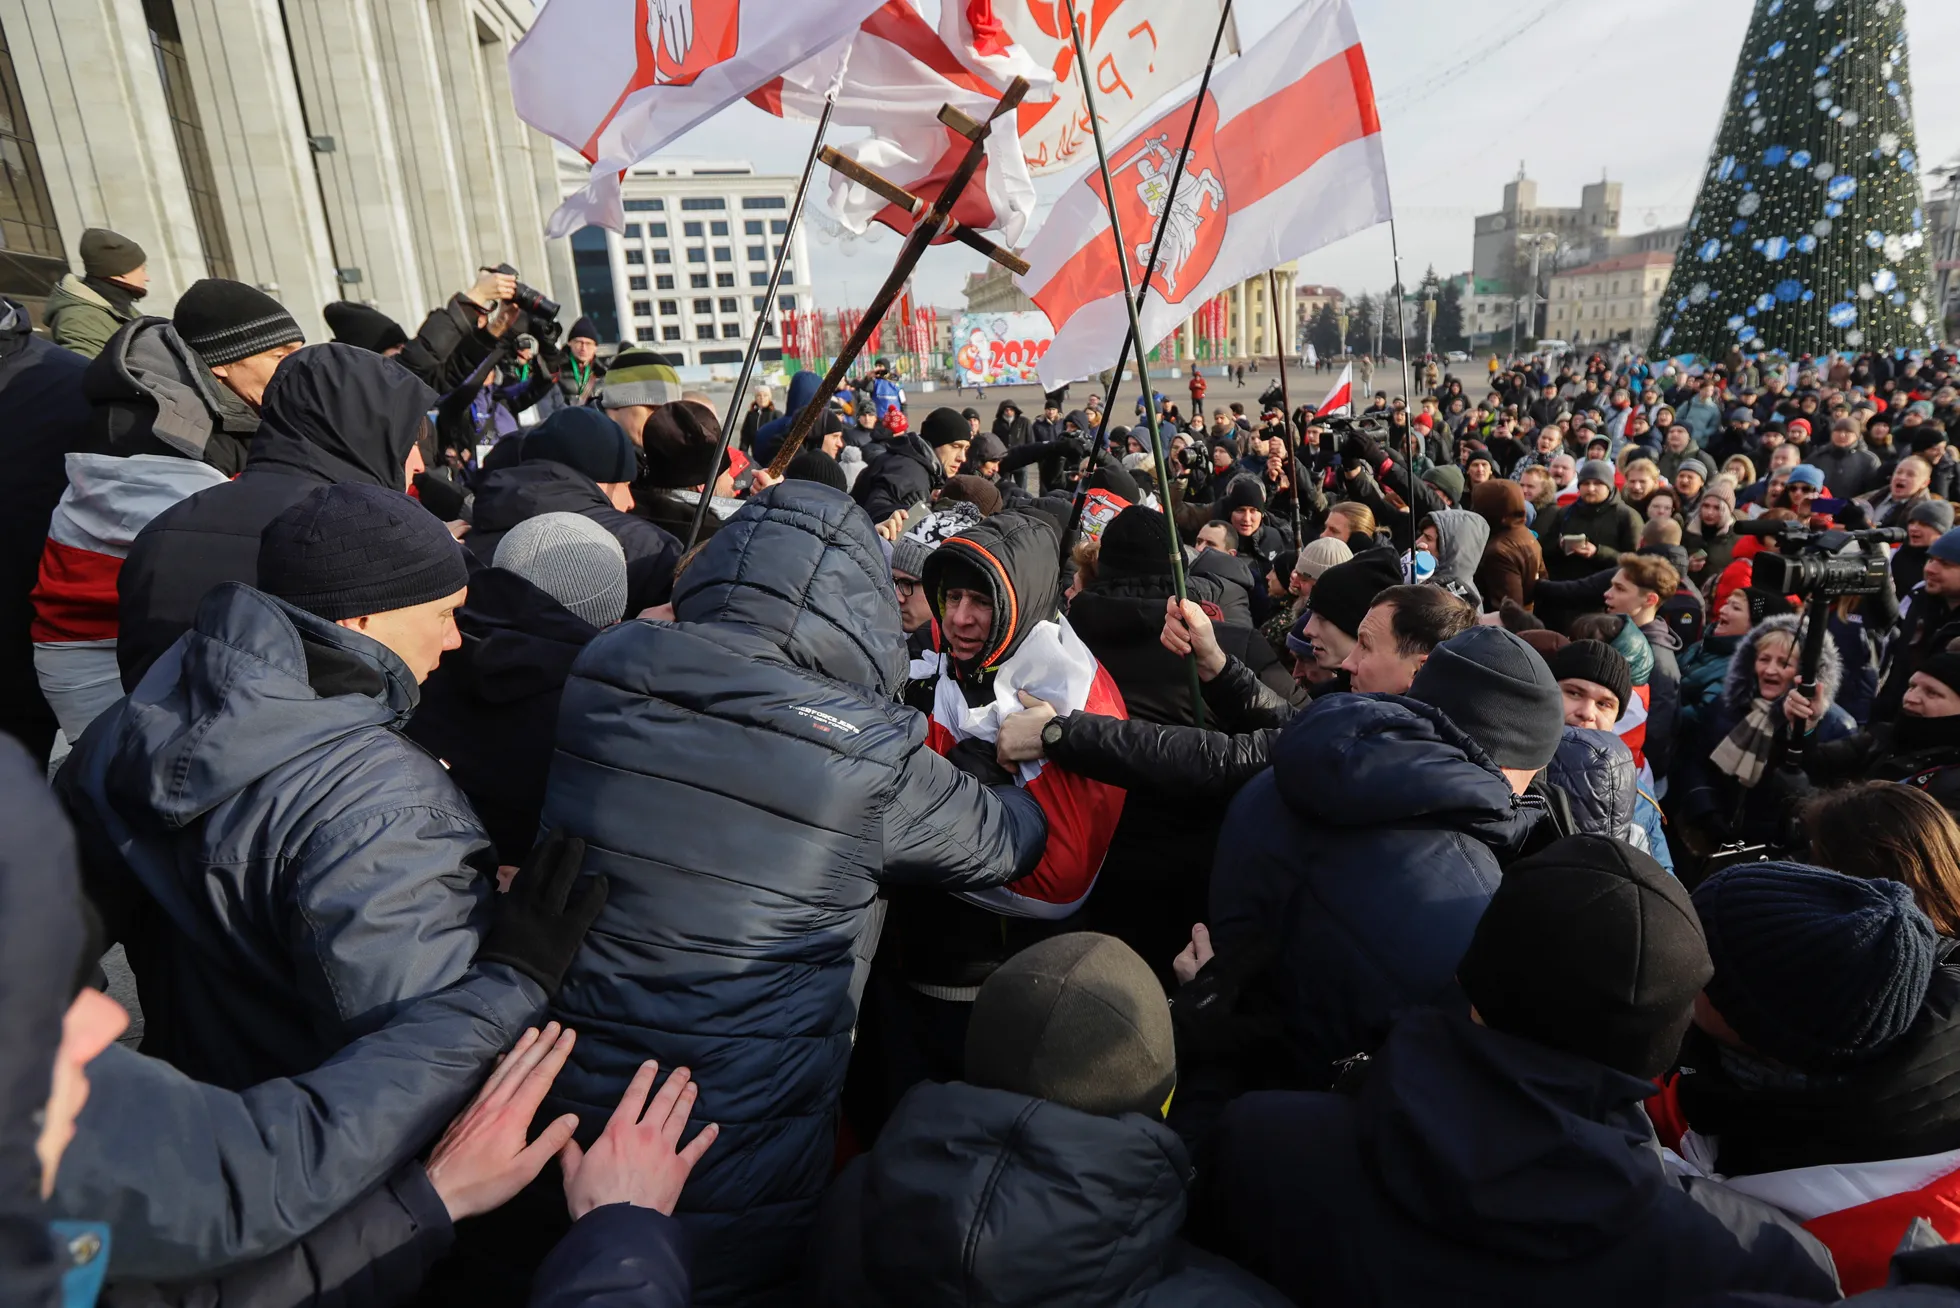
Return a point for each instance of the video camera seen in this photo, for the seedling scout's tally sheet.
(1812, 564)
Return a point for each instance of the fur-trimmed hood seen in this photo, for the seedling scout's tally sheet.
(1739, 688)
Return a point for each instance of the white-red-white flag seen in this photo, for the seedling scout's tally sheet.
(1287, 158)
(1342, 396)
(902, 66)
(617, 80)
(1139, 51)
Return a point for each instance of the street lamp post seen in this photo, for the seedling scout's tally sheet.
(1429, 326)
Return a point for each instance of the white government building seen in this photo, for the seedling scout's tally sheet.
(690, 273)
(319, 149)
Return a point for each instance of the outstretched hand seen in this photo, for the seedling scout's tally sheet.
(1188, 964)
(638, 1160)
(482, 1160)
(1188, 631)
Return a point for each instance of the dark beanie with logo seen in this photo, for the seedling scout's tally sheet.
(346, 551)
(1590, 947)
(1078, 1020)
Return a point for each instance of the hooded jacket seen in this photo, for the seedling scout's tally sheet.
(332, 415)
(745, 779)
(904, 471)
(1366, 887)
(1709, 795)
(152, 394)
(1513, 563)
(490, 711)
(1474, 1167)
(41, 392)
(82, 314)
(1460, 539)
(802, 389)
(284, 867)
(509, 496)
(976, 1196)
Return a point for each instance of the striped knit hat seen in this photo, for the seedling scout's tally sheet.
(225, 321)
(639, 377)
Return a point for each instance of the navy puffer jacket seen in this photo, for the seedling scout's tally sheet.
(1364, 857)
(286, 868)
(976, 1196)
(744, 778)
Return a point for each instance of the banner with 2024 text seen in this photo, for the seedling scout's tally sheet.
(1000, 349)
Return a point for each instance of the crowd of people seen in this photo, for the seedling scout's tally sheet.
(1399, 861)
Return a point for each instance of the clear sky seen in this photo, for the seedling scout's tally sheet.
(1467, 90)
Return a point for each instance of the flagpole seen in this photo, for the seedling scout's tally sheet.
(1130, 302)
(1408, 388)
(1101, 441)
(1286, 403)
(769, 311)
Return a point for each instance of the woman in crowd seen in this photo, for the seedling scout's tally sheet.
(1880, 830)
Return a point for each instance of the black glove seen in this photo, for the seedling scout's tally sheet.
(1357, 448)
(542, 919)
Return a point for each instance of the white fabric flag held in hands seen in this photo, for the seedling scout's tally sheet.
(618, 80)
(1287, 158)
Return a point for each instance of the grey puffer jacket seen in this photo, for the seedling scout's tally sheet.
(286, 868)
(747, 783)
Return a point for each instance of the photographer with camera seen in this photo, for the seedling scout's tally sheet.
(453, 341)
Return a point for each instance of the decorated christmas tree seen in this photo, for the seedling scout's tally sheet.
(1808, 235)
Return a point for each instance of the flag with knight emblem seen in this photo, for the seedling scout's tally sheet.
(618, 80)
(1287, 158)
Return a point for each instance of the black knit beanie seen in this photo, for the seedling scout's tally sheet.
(1590, 947)
(585, 440)
(1814, 968)
(1346, 591)
(1136, 543)
(1597, 662)
(1243, 493)
(1117, 482)
(1078, 1020)
(363, 327)
(225, 321)
(346, 551)
(815, 465)
(1498, 691)
(1943, 667)
(945, 427)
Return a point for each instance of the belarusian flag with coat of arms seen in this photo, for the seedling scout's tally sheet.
(1287, 158)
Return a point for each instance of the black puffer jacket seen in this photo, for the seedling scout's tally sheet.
(906, 472)
(747, 783)
(512, 495)
(490, 711)
(976, 1196)
(1473, 1167)
(333, 415)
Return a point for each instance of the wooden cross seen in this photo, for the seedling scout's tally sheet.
(931, 221)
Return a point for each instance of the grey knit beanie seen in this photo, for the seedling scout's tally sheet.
(572, 559)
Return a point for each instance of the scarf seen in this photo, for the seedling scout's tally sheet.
(1745, 753)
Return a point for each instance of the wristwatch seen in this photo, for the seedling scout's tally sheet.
(1051, 733)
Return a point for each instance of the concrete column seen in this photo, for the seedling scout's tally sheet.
(472, 131)
(418, 103)
(242, 74)
(89, 83)
(340, 87)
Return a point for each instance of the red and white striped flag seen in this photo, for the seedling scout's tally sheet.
(617, 80)
(902, 67)
(1342, 396)
(1287, 158)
